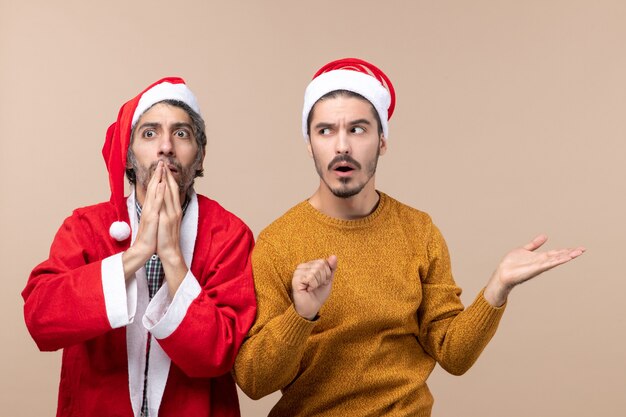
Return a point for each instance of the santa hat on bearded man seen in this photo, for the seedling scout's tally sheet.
(117, 141)
(358, 76)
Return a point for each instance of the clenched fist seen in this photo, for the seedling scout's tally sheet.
(311, 284)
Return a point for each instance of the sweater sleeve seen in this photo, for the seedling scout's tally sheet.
(203, 326)
(270, 357)
(453, 336)
(73, 296)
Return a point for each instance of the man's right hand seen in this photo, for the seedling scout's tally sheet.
(146, 242)
(311, 284)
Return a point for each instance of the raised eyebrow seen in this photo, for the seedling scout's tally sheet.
(323, 125)
(182, 124)
(360, 122)
(148, 125)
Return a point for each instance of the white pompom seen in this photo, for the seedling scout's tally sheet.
(119, 231)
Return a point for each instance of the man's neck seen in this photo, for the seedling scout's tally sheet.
(351, 208)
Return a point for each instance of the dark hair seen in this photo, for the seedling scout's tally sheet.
(343, 93)
(199, 133)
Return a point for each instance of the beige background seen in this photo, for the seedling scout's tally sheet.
(510, 122)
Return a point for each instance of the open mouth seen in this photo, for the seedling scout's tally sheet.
(343, 165)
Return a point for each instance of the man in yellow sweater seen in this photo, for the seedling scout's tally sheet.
(356, 300)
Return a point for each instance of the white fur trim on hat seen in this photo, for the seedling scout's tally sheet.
(165, 91)
(357, 82)
(119, 231)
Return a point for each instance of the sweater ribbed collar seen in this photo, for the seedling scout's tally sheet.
(366, 221)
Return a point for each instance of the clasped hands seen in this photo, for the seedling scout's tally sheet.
(159, 230)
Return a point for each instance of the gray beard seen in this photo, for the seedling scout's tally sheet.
(186, 175)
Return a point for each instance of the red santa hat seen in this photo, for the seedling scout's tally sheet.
(354, 75)
(118, 139)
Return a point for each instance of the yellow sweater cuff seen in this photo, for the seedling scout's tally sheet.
(485, 315)
(294, 330)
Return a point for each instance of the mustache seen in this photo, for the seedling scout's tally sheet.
(344, 158)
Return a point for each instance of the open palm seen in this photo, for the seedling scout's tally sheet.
(524, 263)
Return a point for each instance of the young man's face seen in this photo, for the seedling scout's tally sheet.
(345, 144)
(165, 132)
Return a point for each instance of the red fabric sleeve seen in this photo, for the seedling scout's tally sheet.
(206, 342)
(64, 300)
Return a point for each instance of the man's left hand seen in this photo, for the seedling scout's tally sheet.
(522, 264)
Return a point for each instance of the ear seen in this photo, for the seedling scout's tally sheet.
(308, 147)
(128, 164)
(382, 145)
(200, 163)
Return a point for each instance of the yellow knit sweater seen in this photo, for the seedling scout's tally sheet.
(394, 311)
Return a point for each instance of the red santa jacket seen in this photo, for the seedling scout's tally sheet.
(79, 301)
